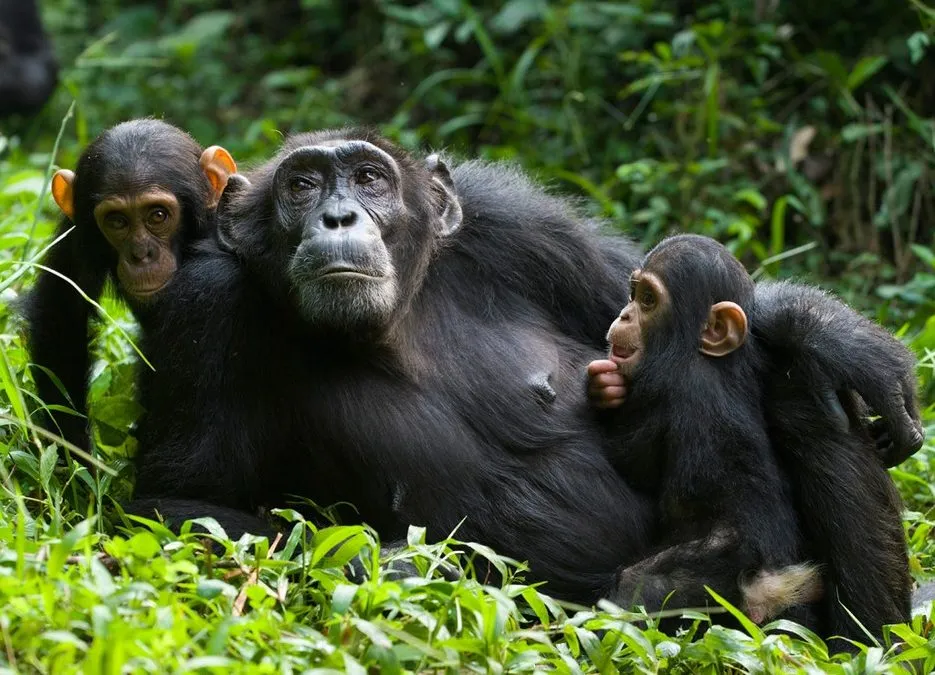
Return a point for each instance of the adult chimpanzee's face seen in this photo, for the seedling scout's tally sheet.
(337, 201)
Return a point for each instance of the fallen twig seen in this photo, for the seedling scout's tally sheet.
(253, 579)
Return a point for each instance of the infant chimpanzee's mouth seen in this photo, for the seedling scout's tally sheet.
(621, 352)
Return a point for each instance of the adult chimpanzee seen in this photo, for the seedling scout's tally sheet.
(692, 430)
(142, 192)
(353, 346)
(28, 69)
(351, 366)
(712, 470)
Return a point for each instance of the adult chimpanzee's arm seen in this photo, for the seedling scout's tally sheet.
(57, 323)
(835, 344)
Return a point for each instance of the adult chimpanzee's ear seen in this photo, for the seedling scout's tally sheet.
(237, 184)
(218, 166)
(449, 208)
(725, 331)
(63, 191)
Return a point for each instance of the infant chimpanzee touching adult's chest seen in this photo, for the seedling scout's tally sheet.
(692, 429)
(746, 468)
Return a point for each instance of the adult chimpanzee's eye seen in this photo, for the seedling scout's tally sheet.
(366, 175)
(301, 184)
(158, 216)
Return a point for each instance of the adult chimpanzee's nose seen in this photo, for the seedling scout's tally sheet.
(338, 215)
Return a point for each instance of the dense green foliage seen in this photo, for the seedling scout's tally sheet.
(802, 135)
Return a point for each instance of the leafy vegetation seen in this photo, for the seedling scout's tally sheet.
(800, 134)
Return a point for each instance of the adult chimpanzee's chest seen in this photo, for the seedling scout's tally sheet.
(385, 430)
(355, 432)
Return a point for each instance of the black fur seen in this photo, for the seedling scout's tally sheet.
(851, 512)
(418, 424)
(848, 509)
(434, 419)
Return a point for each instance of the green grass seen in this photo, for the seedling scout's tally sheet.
(82, 589)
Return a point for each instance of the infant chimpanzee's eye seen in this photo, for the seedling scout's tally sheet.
(647, 299)
(116, 221)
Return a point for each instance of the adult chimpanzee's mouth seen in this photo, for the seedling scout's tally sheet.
(341, 270)
(346, 274)
(621, 353)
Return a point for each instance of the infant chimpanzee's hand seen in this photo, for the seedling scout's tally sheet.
(606, 386)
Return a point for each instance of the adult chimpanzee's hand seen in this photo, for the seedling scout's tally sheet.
(898, 432)
(838, 348)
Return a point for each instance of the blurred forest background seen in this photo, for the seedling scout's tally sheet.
(801, 134)
(767, 124)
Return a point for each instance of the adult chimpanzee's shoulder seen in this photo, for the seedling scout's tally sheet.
(503, 194)
(204, 294)
(213, 261)
(502, 204)
(518, 239)
(211, 276)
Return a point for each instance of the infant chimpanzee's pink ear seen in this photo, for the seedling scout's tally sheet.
(725, 331)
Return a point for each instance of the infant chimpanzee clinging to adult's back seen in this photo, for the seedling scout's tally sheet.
(730, 501)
